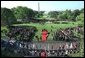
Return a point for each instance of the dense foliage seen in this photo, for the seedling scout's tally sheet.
(23, 12)
(66, 15)
(7, 17)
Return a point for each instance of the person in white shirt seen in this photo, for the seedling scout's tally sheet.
(71, 46)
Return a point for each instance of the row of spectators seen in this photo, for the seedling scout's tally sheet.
(21, 33)
(67, 34)
(33, 49)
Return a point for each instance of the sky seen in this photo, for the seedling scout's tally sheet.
(45, 5)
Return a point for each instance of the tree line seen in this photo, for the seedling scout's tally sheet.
(10, 16)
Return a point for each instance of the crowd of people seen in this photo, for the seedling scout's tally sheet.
(38, 49)
(21, 33)
(67, 34)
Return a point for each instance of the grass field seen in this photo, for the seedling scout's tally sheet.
(51, 27)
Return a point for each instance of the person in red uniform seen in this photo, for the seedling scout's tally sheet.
(44, 35)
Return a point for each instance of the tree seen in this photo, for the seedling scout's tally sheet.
(75, 13)
(61, 15)
(40, 14)
(36, 14)
(67, 15)
(53, 14)
(80, 17)
(23, 12)
(82, 10)
(7, 17)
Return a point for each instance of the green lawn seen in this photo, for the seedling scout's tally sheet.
(54, 27)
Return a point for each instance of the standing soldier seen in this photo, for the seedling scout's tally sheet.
(66, 48)
(44, 35)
